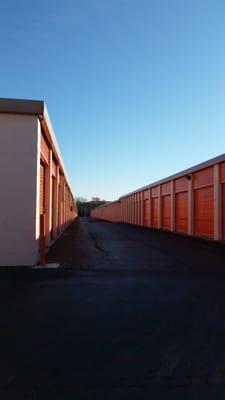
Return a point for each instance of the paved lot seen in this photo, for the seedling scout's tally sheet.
(134, 314)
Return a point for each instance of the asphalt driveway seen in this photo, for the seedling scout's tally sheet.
(132, 314)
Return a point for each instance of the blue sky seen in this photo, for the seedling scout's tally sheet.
(135, 88)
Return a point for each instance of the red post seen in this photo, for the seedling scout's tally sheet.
(42, 240)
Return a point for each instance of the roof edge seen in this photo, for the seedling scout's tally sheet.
(204, 164)
(22, 106)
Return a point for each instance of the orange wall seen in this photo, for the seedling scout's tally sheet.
(185, 203)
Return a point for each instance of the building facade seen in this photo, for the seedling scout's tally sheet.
(36, 199)
(191, 202)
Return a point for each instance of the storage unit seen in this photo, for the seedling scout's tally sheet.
(32, 202)
(155, 207)
(166, 212)
(191, 202)
(146, 208)
(166, 205)
(146, 213)
(203, 203)
(181, 205)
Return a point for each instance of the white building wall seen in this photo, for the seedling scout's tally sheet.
(19, 174)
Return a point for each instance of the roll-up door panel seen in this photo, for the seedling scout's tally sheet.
(203, 211)
(44, 150)
(146, 213)
(166, 212)
(155, 212)
(54, 168)
(181, 212)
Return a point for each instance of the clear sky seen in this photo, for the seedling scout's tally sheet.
(135, 88)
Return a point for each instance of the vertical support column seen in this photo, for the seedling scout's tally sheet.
(217, 203)
(56, 208)
(48, 203)
(66, 206)
(150, 208)
(159, 208)
(132, 202)
(63, 204)
(135, 209)
(190, 208)
(129, 209)
(126, 215)
(172, 227)
(60, 204)
(138, 208)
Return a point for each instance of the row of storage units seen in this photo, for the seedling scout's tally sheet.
(37, 202)
(190, 202)
(110, 212)
(57, 204)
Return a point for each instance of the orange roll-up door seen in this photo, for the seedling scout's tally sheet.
(203, 214)
(53, 205)
(166, 212)
(154, 202)
(44, 150)
(146, 213)
(42, 189)
(181, 212)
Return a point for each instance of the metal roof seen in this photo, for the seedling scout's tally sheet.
(188, 171)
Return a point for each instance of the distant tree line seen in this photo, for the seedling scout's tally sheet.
(84, 206)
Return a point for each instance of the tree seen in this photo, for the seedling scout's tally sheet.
(81, 201)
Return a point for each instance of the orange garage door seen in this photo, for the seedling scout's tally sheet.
(203, 211)
(155, 212)
(181, 212)
(146, 213)
(166, 212)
